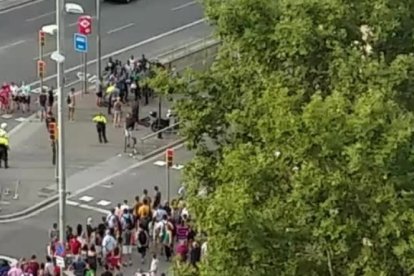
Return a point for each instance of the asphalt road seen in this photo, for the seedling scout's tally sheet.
(122, 25)
(29, 236)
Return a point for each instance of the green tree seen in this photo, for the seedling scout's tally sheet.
(303, 134)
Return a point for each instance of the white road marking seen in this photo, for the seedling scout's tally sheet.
(103, 203)
(40, 16)
(184, 6)
(12, 44)
(177, 167)
(160, 163)
(120, 28)
(6, 116)
(91, 186)
(21, 6)
(21, 119)
(117, 52)
(87, 207)
(86, 198)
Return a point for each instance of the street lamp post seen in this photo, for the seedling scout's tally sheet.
(98, 45)
(60, 38)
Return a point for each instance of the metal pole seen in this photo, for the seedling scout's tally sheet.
(82, 62)
(41, 58)
(168, 182)
(57, 166)
(60, 38)
(98, 45)
(159, 117)
(85, 72)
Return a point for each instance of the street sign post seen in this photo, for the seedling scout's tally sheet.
(81, 46)
(80, 43)
(169, 157)
(85, 24)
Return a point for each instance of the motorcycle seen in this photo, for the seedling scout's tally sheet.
(158, 124)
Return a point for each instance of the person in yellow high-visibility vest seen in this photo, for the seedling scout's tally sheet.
(100, 121)
(4, 147)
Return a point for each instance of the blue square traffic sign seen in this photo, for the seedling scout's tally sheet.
(80, 43)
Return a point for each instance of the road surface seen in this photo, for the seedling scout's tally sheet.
(122, 25)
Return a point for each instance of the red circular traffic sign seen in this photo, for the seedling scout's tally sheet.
(85, 25)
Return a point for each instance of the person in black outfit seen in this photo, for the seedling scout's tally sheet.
(107, 272)
(50, 99)
(42, 103)
(135, 111)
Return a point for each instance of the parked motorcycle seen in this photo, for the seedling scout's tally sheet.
(158, 124)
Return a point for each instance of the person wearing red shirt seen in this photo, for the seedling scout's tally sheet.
(74, 245)
(114, 258)
(33, 265)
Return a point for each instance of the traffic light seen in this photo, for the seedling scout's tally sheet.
(41, 68)
(42, 37)
(52, 131)
(169, 157)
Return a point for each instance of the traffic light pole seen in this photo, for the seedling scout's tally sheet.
(60, 38)
(168, 181)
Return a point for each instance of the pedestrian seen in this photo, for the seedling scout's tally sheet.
(167, 241)
(157, 197)
(117, 112)
(71, 101)
(129, 128)
(42, 99)
(108, 243)
(49, 267)
(126, 244)
(4, 148)
(92, 258)
(26, 89)
(50, 99)
(154, 265)
(101, 121)
(195, 254)
(106, 272)
(33, 265)
(142, 240)
(78, 266)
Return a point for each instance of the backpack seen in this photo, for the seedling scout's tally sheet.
(128, 220)
(142, 238)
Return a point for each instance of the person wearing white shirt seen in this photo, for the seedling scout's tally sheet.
(111, 220)
(154, 266)
(25, 97)
(108, 243)
(15, 96)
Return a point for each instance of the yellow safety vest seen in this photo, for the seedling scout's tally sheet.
(4, 141)
(99, 119)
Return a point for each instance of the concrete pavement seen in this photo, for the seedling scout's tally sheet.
(31, 174)
(8, 4)
(152, 47)
(29, 236)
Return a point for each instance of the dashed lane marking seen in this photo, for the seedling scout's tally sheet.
(159, 163)
(86, 198)
(103, 203)
(87, 207)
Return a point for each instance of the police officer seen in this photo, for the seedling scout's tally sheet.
(4, 147)
(101, 121)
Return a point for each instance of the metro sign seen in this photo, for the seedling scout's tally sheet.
(85, 25)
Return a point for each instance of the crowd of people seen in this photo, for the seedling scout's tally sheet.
(134, 235)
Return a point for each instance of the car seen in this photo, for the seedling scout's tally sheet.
(5, 264)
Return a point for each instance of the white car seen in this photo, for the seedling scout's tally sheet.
(5, 264)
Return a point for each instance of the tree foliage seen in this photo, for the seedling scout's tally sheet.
(303, 133)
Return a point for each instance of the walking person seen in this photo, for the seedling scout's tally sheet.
(50, 99)
(42, 105)
(100, 121)
(71, 101)
(142, 241)
(117, 112)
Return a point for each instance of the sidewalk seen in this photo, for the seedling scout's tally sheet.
(87, 161)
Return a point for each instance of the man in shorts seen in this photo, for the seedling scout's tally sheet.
(127, 245)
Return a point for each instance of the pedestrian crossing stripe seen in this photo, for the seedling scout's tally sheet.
(103, 203)
(6, 116)
(177, 167)
(160, 163)
(21, 119)
(86, 198)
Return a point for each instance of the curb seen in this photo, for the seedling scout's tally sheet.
(11, 6)
(162, 149)
(55, 198)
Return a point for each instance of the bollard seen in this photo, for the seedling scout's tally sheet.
(16, 190)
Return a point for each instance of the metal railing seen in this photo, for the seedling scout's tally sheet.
(149, 136)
